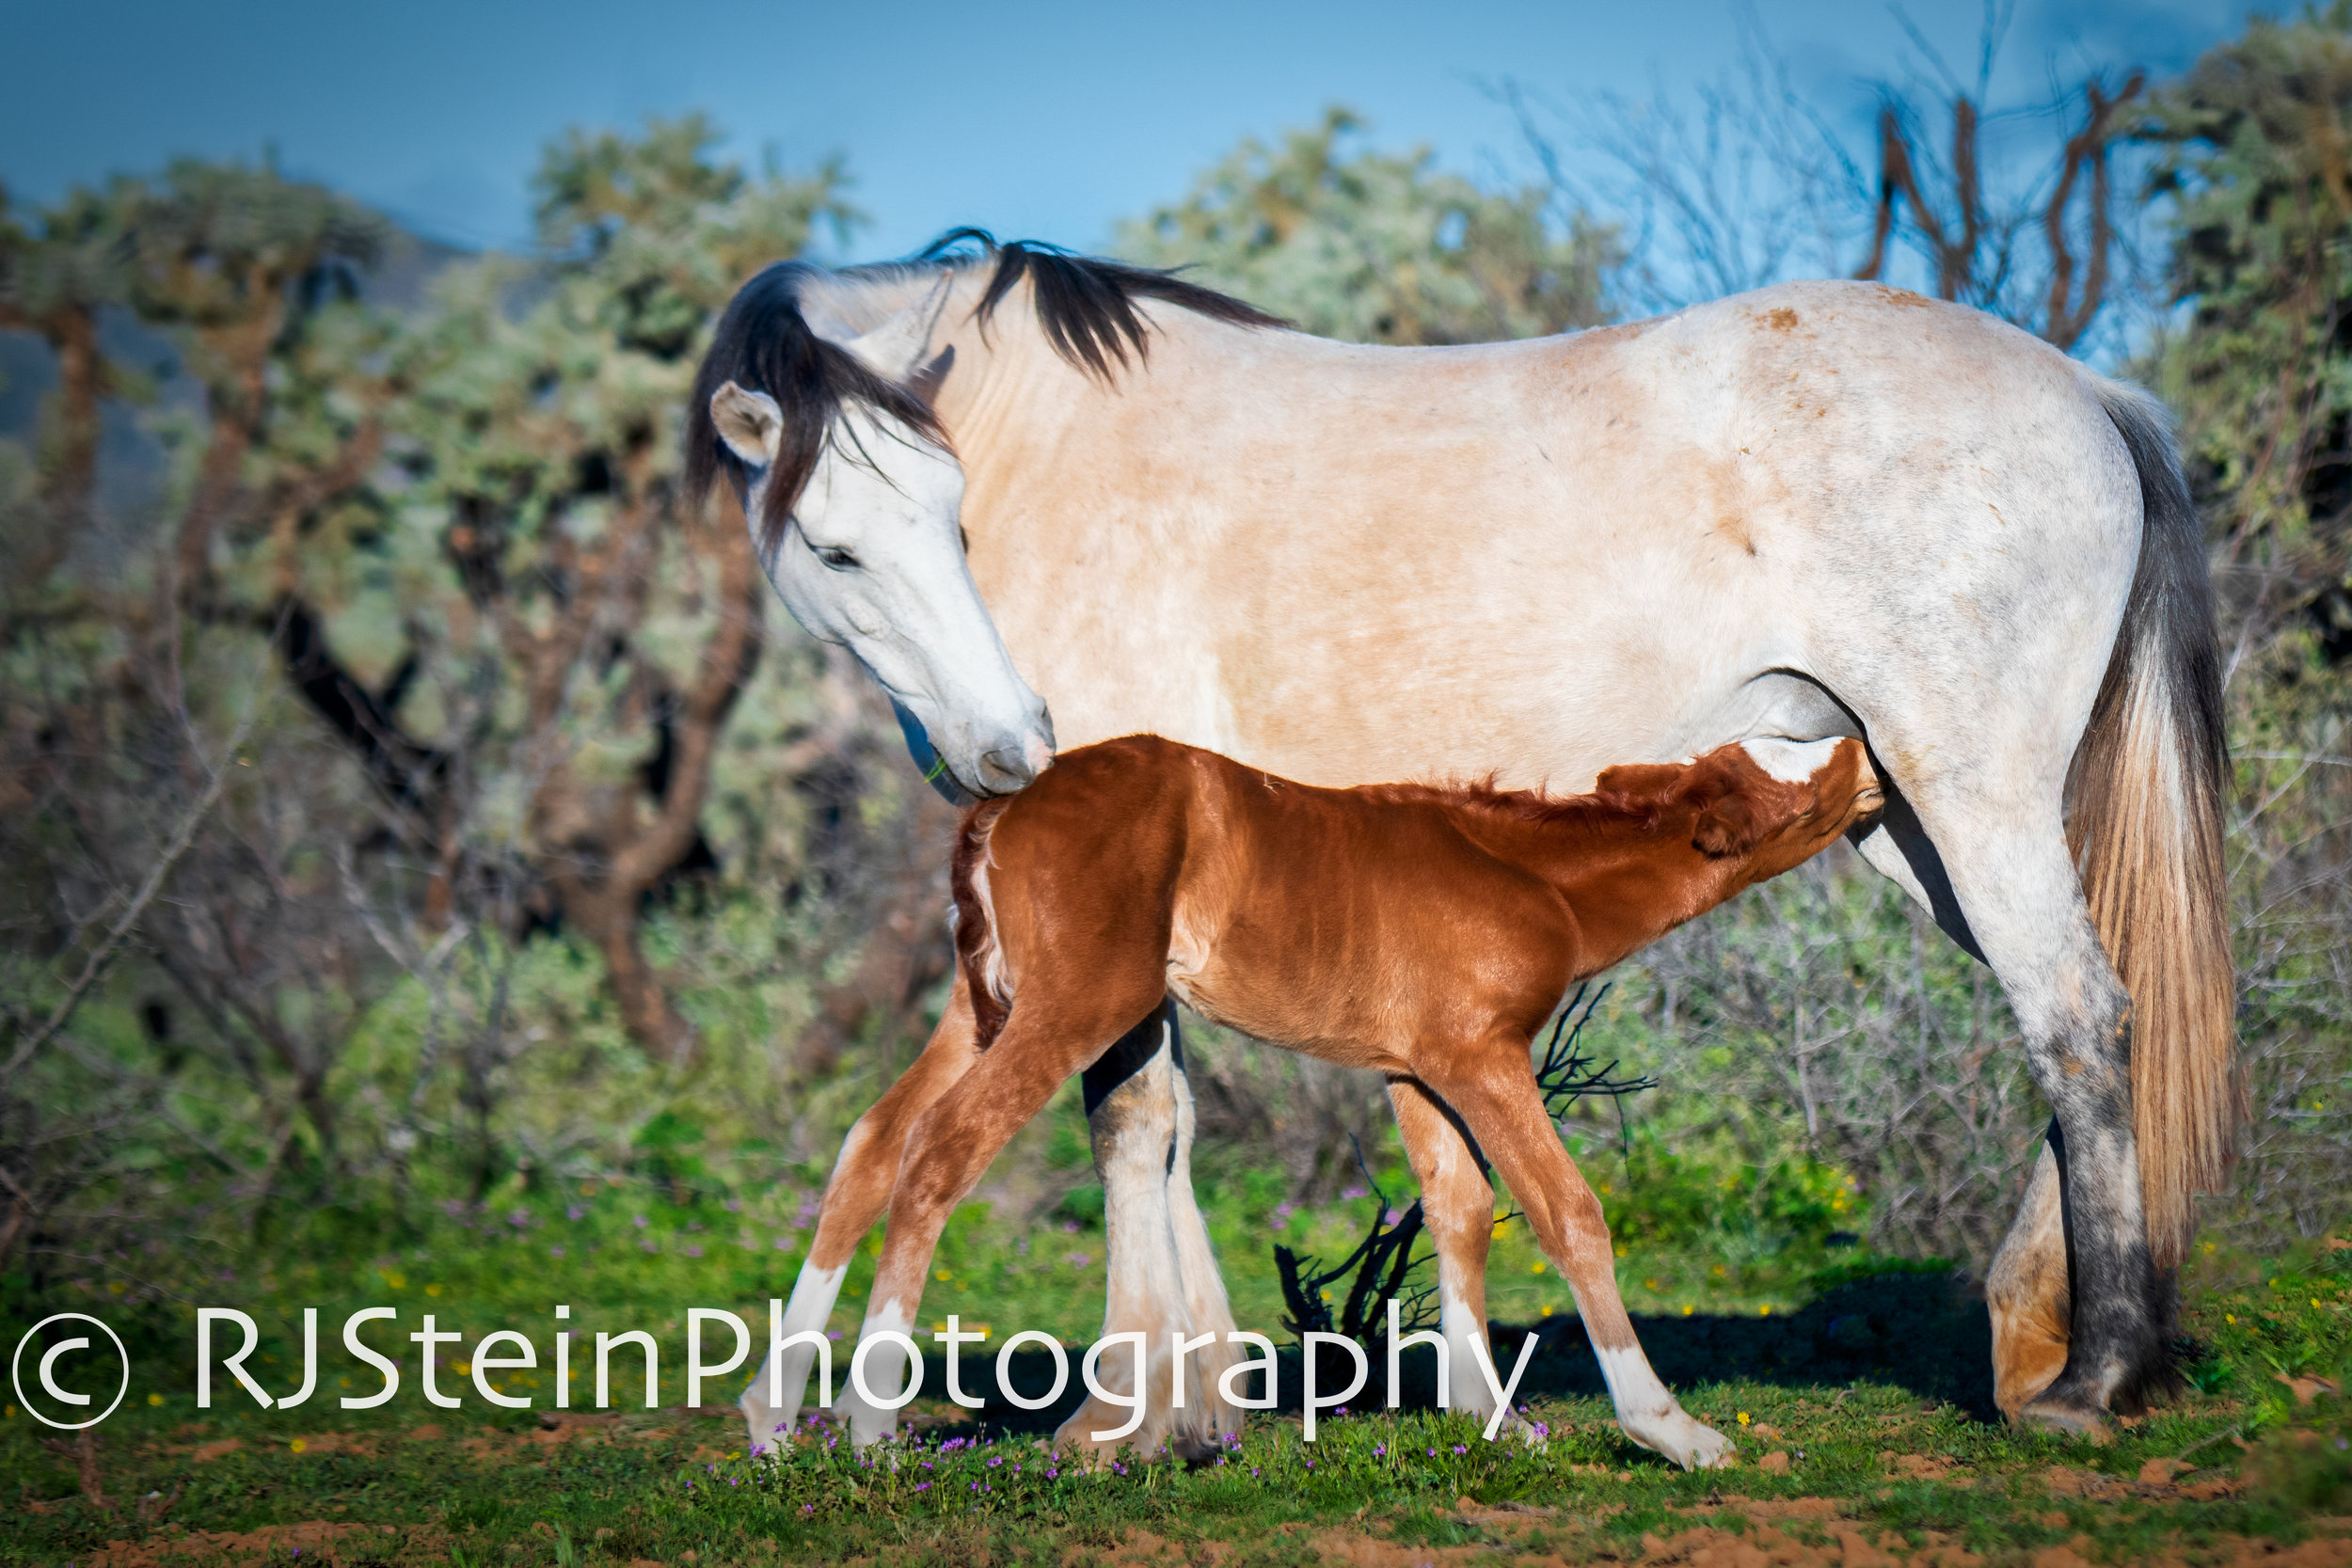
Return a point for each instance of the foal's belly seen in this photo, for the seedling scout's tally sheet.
(1387, 947)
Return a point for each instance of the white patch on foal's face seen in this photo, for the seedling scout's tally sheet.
(1790, 761)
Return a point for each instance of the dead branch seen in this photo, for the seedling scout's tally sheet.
(2069, 317)
(104, 953)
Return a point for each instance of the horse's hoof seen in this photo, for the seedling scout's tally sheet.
(2069, 1418)
(1710, 1451)
(1193, 1447)
(1077, 1434)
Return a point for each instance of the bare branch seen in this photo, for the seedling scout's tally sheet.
(104, 953)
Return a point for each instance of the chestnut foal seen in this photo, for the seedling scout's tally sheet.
(1420, 931)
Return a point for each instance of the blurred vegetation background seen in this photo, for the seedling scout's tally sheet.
(425, 848)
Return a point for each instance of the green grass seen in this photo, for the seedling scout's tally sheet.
(1869, 1387)
(1867, 1374)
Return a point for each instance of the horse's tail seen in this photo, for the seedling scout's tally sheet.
(977, 953)
(2146, 831)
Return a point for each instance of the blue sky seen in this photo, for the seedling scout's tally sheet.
(1048, 120)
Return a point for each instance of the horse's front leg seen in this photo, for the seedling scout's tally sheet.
(1133, 1118)
(1208, 1417)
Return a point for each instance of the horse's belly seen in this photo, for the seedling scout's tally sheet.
(1485, 696)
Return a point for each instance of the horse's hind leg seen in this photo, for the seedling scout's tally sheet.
(2025, 1291)
(2023, 901)
(1492, 1084)
(855, 1197)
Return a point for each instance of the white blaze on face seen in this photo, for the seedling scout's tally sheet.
(1790, 761)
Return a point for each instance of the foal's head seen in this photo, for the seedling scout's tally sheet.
(1769, 804)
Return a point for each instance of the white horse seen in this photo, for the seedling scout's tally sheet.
(1820, 510)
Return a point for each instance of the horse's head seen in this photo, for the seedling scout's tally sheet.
(855, 500)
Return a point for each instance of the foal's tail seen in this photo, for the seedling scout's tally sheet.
(2146, 831)
(977, 952)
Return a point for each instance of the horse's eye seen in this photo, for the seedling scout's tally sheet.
(836, 558)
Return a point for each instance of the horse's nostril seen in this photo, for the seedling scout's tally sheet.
(1003, 771)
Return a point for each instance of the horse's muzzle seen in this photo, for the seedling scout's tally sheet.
(1008, 767)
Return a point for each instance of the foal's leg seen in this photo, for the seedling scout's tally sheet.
(1457, 1203)
(854, 1199)
(950, 1145)
(1493, 1087)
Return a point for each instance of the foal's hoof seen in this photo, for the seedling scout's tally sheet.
(1690, 1443)
(2072, 1417)
(1710, 1449)
(1526, 1432)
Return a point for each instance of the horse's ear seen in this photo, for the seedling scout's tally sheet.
(1725, 826)
(898, 347)
(749, 423)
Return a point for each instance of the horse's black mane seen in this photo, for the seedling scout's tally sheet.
(1085, 303)
(1086, 306)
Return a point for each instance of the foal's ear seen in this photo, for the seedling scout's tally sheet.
(1630, 783)
(749, 423)
(1725, 826)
